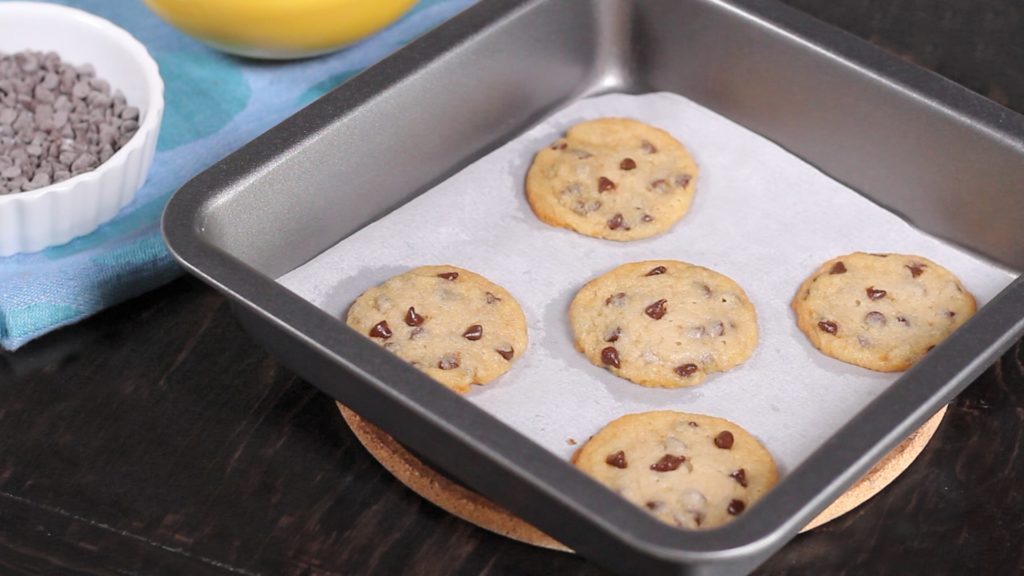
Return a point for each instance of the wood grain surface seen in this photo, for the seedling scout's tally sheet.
(157, 438)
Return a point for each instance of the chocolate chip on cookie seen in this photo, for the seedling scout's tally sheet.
(617, 460)
(668, 463)
(656, 271)
(724, 440)
(686, 370)
(474, 332)
(610, 357)
(875, 293)
(657, 310)
(412, 318)
(381, 330)
(828, 326)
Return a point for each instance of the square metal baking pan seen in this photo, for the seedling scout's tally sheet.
(949, 161)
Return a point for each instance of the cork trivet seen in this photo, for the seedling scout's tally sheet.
(882, 473)
(471, 507)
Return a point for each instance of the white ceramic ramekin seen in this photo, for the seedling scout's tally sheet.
(55, 214)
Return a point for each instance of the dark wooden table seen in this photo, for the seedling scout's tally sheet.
(156, 438)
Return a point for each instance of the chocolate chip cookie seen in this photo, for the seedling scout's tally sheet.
(458, 327)
(688, 470)
(612, 178)
(664, 323)
(881, 311)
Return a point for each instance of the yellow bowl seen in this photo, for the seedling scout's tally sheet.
(279, 29)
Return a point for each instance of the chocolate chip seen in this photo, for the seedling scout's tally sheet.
(416, 332)
(691, 423)
(655, 271)
(412, 318)
(659, 185)
(916, 269)
(617, 460)
(506, 353)
(668, 463)
(736, 507)
(724, 440)
(615, 223)
(903, 320)
(930, 348)
(828, 326)
(380, 330)
(613, 336)
(874, 319)
(685, 370)
(474, 332)
(604, 184)
(950, 314)
(657, 310)
(838, 268)
(652, 505)
(647, 218)
(682, 180)
(648, 147)
(449, 361)
(627, 164)
(84, 163)
(491, 298)
(740, 476)
(616, 300)
(448, 275)
(875, 294)
(610, 356)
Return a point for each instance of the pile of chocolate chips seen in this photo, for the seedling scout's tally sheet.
(56, 120)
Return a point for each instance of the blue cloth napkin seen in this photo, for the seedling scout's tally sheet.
(214, 104)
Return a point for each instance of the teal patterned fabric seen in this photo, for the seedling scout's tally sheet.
(214, 104)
